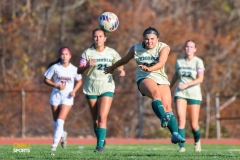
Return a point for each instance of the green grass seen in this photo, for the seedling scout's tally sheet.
(141, 151)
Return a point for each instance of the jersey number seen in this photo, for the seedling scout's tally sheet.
(101, 66)
(186, 74)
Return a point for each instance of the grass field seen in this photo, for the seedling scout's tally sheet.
(125, 151)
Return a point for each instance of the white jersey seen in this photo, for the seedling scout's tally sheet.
(61, 74)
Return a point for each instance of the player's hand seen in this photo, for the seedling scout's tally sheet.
(182, 86)
(121, 72)
(61, 86)
(144, 68)
(109, 70)
(72, 94)
(91, 62)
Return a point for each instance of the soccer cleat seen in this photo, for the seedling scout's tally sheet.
(182, 149)
(98, 150)
(64, 140)
(177, 138)
(197, 146)
(53, 148)
(165, 119)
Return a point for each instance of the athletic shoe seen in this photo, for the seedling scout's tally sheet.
(197, 146)
(99, 150)
(177, 138)
(64, 140)
(53, 148)
(182, 149)
(165, 119)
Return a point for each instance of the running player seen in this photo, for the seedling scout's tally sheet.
(187, 95)
(151, 56)
(63, 74)
(99, 87)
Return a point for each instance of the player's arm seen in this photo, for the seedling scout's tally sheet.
(174, 79)
(76, 88)
(161, 62)
(50, 83)
(121, 62)
(198, 80)
(84, 65)
(121, 71)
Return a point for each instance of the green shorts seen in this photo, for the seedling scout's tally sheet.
(189, 101)
(106, 94)
(138, 83)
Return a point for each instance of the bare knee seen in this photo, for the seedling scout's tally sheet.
(195, 127)
(181, 123)
(102, 120)
(156, 94)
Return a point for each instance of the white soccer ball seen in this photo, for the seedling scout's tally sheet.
(108, 21)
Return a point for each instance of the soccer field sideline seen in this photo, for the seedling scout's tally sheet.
(115, 141)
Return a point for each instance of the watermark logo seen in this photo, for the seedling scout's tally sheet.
(21, 147)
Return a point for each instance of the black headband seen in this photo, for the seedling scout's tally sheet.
(150, 32)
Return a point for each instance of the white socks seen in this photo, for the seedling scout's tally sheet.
(58, 132)
(55, 125)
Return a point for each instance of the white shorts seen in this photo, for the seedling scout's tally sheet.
(58, 98)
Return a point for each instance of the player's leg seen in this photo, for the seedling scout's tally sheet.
(104, 103)
(172, 125)
(149, 88)
(92, 103)
(55, 112)
(63, 112)
(55, 107)
(181, 109)
(194, 110)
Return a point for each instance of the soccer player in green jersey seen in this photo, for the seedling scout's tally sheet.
(151, 56)
(99, 87)
(187, 95)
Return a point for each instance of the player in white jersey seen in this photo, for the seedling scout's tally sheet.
(99, 87)
(187, 95)
(151, 56)
(61, 76)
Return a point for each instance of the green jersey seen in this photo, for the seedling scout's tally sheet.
(97, 82)
(150, 57)
(187, 72)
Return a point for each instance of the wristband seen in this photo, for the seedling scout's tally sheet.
(83, 62)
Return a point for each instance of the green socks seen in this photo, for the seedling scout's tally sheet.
(196, 135)
(101, 135)
(159, 111)
(182, 133)
(158, 108)
(95, 130)
(172, 123)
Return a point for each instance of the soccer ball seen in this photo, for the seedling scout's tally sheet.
(108, 21)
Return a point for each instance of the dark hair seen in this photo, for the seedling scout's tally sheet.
(98, 29)
(59, 59)
(151, 30)
(93, 32)
(189, 41)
